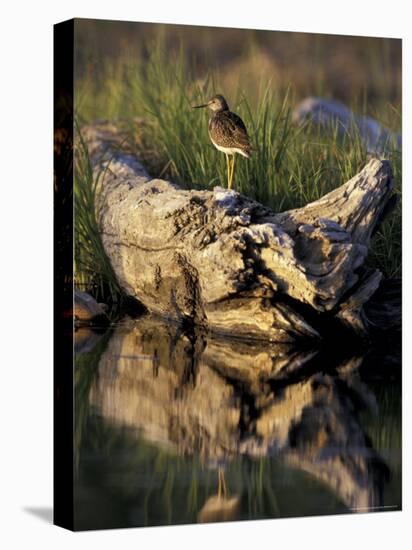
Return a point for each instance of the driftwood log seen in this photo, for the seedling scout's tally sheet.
(225, 261)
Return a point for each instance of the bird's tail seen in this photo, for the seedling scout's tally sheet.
(247, 151)
(244, 152)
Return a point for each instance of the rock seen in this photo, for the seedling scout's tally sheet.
(87, 310)
(86, 338)
(333, 115)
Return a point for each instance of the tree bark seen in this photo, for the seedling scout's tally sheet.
(222, 260)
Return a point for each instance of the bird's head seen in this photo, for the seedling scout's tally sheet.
(216, 104)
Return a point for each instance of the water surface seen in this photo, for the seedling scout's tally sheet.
(175, 427)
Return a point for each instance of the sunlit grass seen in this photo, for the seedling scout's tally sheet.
(291, 165)
(92, 269)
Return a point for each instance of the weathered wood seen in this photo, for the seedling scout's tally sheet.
(333, 115)
(225, 261)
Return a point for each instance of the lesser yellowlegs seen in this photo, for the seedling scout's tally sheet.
(227, 132)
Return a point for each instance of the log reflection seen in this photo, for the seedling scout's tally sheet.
(219, 399)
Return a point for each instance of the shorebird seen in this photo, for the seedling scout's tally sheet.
(227, 132)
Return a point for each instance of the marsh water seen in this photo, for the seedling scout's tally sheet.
(180, 427)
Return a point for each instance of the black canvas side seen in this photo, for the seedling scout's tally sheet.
(63, 274)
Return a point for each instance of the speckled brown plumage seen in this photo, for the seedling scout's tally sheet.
(226, 129)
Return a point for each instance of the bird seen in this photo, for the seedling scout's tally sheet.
(227, 132)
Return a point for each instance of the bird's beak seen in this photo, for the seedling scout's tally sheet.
(200, 106)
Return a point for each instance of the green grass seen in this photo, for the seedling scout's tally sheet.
(291, 166)
(85, 372)
(92, 270)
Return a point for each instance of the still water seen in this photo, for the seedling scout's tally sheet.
(175, 427)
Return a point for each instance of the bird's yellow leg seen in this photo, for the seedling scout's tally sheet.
(228, 169)
(223, 483)
(232, 171)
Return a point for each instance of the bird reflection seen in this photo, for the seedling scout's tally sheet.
(220, 507)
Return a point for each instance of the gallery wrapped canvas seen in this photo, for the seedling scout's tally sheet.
(227, 274)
